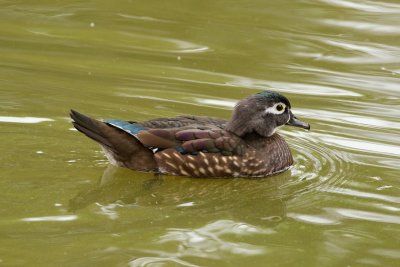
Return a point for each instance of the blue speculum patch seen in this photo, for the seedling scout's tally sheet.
(128, 127)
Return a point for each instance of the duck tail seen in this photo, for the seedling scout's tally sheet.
(93, 129)
(120, 148)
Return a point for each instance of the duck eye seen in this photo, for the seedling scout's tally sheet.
(279, 107)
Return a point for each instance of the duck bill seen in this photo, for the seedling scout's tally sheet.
(297, 123)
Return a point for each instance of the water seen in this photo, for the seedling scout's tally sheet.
(336, 60)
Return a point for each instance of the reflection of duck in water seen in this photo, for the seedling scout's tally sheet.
(245, 146)
(249, 200)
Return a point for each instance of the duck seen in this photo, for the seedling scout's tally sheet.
(246, 145)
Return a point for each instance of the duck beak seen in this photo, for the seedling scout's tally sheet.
(293, 121)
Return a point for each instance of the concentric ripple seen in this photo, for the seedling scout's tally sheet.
(316, 165)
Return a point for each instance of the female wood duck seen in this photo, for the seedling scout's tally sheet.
(244, 146)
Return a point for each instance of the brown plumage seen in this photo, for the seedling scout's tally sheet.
(245, 146)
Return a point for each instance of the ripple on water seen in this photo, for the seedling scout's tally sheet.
(387, 85)
(365, 215)
(324, 162)
(372, 53)
(358, 193)
(375, 28)
(159, 261)
(360, 145)
(316, 166)
(208, 242)
(289, 87)
(178, 98)
(161, 44)
(61, 218)
(350, 118)
(224, 79)
(144, 18)
(366, 6)
(23, 119)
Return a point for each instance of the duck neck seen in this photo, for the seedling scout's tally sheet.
(253, 136)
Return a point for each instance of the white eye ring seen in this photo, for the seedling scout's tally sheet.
(278, 108)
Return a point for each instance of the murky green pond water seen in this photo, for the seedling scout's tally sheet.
(338, 61)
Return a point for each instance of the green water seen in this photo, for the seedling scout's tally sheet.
(338, 61)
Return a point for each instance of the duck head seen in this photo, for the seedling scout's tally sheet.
(263, 113)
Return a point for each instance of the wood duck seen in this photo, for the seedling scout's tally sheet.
(197, 146)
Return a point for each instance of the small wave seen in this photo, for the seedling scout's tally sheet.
(158, 43)
(23, 119)
(365, 215)
(159, 261)
(366, 6)
(143, 18)
(364, 26)
(61, 218)
(367, 53)
(317, 166)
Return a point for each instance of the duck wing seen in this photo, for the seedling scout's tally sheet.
(186, 136)
(198, 122)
